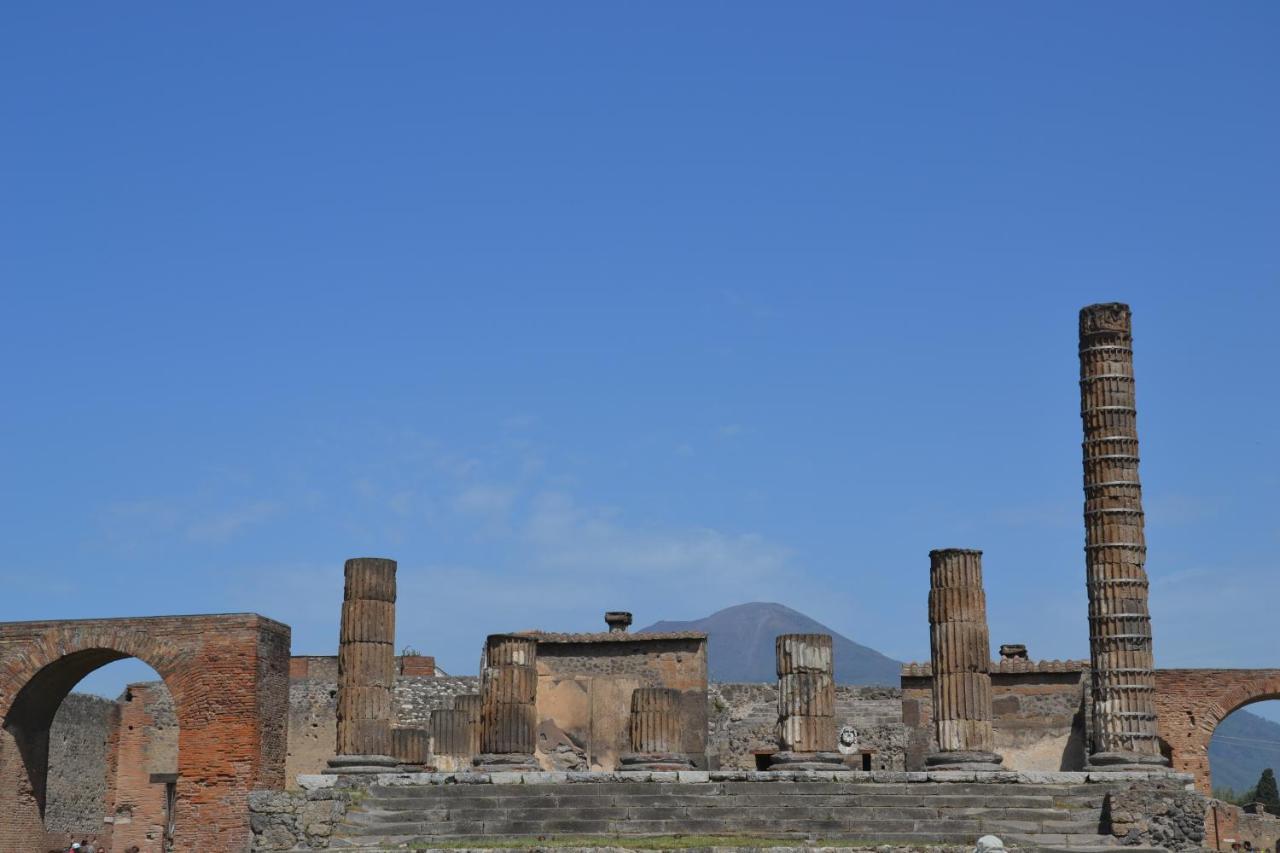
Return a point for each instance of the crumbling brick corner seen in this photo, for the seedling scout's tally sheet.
(229, 678)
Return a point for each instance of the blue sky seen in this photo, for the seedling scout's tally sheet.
(663, 307)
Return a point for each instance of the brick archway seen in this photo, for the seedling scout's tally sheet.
(229, 678)
(1192, 702)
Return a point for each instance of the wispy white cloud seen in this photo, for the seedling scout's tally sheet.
(485, 499)
(222, 526)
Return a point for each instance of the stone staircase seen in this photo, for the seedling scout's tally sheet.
(1036, 816)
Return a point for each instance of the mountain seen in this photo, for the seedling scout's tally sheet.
(740, 645)
(1242, 747)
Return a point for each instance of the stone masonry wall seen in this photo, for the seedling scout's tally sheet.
(1039, 713)
(742, 720)
(1157, 814)
(1227, 824)
(79, 742)
(313, 710)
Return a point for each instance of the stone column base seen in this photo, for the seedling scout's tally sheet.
(655, 761)
(967, 760)
(344, 764)
(787, 760)
(1121, 762)
(506, 762)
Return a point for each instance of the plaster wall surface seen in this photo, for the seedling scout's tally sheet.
(585, 683)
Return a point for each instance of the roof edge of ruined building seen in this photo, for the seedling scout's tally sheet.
(611, 636)
(1005, 667)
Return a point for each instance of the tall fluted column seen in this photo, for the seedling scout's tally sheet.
(508, 693)
(656, 740)
(806, 703)
(366, 667)
(960, 650)
(1120, 651)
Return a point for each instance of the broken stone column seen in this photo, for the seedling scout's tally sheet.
(656, 736)
(806, 704)
(1122, 666)
(508, 692)
(366, 667)
(411, 746)
(451, 739)
(470, 704)
(961, 654)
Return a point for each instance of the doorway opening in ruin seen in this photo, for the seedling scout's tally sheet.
(111, 770)
(1244, 743)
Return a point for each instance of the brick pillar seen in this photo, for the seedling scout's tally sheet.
(655, 731)
(1120, 653)
(366, 667)
(960, 650)
(470, 704)
(806, 704)
(508, 691)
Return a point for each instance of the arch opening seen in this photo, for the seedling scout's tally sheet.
(98, 769)
(1244, 743)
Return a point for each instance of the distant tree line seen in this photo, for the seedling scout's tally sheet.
(1265, 793)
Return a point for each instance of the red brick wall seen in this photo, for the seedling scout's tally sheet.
(417, 665)
(228, 676)
(1191, 703)
(147, 743)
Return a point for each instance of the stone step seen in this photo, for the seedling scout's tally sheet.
(592, 795)
(1048, 818)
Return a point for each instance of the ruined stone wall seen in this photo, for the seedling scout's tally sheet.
(313, 709)
(585, 683)
(1227, 824)
(415, 697)
(742, 720)
(79, 756)
(147, 746)
(1039, 714)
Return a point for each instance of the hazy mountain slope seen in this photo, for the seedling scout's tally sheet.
(741, 645)
(1243, 746)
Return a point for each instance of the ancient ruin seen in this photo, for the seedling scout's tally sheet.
(961, 658)
(228, 676)
(806, 704)
(366, 667)
(1125, 732)
(240, 747)
(655, 731)
(508, 691)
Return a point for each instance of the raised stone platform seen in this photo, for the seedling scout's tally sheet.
(837, 808)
